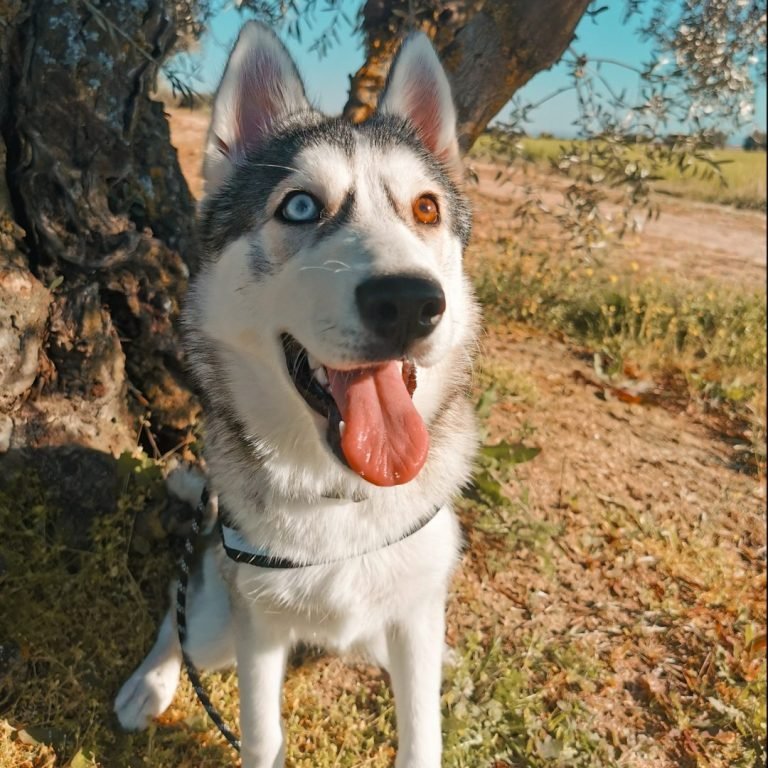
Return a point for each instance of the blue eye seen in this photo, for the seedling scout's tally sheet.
(299, 208)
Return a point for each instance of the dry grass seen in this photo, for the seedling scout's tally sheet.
(593, 633)
(668, 671)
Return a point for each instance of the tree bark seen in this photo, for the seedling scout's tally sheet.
(490, 48)
(96, 227)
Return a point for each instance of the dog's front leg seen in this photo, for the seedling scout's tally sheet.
(261, 656)
(416, 651)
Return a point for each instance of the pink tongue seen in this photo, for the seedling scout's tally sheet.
(384, 440)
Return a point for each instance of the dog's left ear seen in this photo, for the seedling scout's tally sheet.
(417, 89)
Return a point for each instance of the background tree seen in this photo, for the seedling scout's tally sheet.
(96, 222)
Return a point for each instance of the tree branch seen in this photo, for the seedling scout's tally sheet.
(490, 49)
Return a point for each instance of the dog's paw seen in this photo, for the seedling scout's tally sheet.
(145, 695)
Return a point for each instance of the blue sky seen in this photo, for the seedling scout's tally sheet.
(326, 78)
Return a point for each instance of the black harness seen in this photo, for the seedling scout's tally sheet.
(256, 559)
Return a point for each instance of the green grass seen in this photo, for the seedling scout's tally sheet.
(743, 181)
(720, 327)
(710, 338)
(744, 174)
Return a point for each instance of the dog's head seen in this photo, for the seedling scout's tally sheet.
(333, 291)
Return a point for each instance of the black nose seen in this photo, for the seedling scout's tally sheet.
(400, 308)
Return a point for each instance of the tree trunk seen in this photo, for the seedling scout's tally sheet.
(96, 227)
(490, 48)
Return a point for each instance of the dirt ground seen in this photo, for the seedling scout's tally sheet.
(660, 542)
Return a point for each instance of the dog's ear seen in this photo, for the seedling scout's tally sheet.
(260, 86)
(417, 88)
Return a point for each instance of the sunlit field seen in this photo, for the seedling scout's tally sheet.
(741, 183)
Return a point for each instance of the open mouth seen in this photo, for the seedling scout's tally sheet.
(373, 426)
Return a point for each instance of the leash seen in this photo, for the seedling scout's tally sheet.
(190, 546)
(240, 554)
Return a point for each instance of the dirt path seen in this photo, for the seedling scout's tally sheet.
(188, 129)
(607, 448)
(690, 239)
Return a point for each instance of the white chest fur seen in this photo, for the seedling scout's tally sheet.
(344, 604)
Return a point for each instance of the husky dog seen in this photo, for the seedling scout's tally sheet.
(331, 331)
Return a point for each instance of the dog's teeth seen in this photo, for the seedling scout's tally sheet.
(342, 427)
(321, 376)
(313, 362)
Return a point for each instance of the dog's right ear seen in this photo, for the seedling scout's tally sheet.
(260, 86)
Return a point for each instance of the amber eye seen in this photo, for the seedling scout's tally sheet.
(425, 210)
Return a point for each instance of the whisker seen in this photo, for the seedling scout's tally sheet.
(298, 361)
(341, 266)
(274, 165)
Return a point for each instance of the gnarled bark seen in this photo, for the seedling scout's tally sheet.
(490, 49)
(96, 210)
(384, 24)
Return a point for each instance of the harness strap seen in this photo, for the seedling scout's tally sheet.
(237, 549)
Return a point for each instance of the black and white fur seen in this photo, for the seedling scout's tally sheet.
(270, 464)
